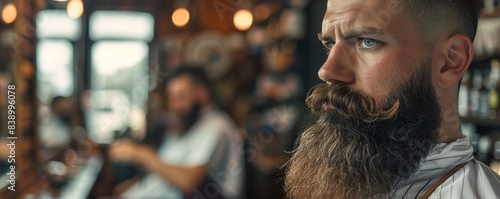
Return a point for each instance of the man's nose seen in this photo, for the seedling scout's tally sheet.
(338, 67)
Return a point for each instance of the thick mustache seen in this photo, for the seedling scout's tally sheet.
(350, 102)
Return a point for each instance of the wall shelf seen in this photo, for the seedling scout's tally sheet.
(482, 122)
(491, 12)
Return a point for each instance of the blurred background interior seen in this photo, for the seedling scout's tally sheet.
(89, 71)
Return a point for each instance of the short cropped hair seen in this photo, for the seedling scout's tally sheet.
(196, 73)
(198, 77)
(460, 16)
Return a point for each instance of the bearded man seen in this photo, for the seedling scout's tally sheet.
(388, 119)
(200, 154)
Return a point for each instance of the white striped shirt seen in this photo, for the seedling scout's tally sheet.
(474, 180)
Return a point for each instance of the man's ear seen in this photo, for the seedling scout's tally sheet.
(457, 52)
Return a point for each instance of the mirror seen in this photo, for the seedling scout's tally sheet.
(119, 81)
(55, 59)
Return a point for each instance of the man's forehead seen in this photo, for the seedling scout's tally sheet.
(359, 14)
(181, 81)
(343, 5)
(364, 5)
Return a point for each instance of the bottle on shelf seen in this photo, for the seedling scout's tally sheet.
(494, 84)
(484, 97)
(463, 96)
(470, 130)
(477, 79)
(484, 148)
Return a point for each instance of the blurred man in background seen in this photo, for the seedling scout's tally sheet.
(61, 108)
(200, 156)
(389, 124)
(55, 131)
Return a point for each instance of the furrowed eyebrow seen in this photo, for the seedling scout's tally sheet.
(363, 31)
(357, 33)
(322, 37)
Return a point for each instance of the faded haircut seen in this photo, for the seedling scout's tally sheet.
(434, 17)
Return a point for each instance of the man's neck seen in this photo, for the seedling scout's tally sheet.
(206, 107)
(450, 129)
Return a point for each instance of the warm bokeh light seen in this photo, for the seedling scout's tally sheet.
(262, 12)
(243, 20)
(180, 17)
(9, 13)
(75, 9)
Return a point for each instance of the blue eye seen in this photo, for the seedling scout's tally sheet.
(329, 45)
(369, 42)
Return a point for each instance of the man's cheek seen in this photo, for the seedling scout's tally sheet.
(376, 83)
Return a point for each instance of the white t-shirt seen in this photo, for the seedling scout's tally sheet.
(474, 180)
(212, 140)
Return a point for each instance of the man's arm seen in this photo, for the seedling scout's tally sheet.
(181, 177)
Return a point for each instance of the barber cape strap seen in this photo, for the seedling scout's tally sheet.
(458, 167)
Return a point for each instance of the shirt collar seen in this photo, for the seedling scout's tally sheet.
(442, 158)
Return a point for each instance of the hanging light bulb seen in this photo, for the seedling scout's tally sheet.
(9, 13)
(75, 9)
(243, 20)
(180, 17)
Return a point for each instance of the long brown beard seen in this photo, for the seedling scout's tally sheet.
(361, 149)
